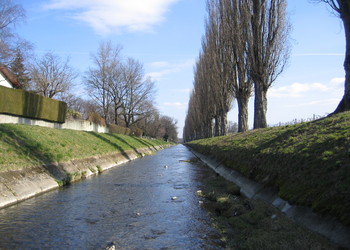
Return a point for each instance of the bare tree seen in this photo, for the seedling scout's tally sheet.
(211, 97)
(10, 15)
(246, 43)
(116, 88)
(168, 125)
(235, 18)
(232, 127)
(102, 80)
(268, 50)
(139, 91)
(51, 76)
(220, 78)
(150, 123)
(342, 8)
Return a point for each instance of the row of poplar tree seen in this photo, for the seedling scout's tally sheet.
(244, 49)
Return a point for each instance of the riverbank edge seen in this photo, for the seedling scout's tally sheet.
(327, 226)
(19, 185)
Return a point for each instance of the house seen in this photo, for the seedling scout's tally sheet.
(8, 79)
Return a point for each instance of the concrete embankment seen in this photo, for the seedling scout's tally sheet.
(19, 185)
(326, 226)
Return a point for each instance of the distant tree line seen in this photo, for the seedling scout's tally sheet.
(244, 50)
(118, 90)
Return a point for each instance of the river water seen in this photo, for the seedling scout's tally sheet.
(133, 205)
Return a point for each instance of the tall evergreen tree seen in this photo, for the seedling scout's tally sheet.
(19, 70)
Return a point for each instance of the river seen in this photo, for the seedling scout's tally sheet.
(149, 203)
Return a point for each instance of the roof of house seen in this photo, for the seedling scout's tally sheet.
(10, 77)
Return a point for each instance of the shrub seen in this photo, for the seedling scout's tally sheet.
(96, 118)
(116, 129)
(138, 132)
(72, 114)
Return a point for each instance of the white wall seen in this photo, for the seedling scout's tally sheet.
(4, 82)
(69, 124)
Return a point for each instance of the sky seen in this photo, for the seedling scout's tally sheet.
(165, 36)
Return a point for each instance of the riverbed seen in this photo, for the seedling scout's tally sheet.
(149, 203)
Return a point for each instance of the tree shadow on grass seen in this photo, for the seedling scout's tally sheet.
(115, 145)
(127, 143)
(147, 144)
(23, 145)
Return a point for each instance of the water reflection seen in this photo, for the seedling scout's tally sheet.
(130, 205)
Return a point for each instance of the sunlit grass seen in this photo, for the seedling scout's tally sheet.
(309, 163)
(23, 146)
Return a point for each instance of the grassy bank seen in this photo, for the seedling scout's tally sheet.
(252, 224)
(23, 146)
(308, 164)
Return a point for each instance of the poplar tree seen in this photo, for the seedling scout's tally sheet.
(342, 8)
(268, 50)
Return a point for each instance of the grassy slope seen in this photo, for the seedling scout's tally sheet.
(252, 224)
(308, 163)
(25, 146)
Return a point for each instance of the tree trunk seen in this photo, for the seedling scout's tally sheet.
(242, 113)
(344, 104)
(115, 115)
(260, 106)
(217, 126)
(223, 123)
(210, 128)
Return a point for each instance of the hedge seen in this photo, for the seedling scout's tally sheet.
(25, 104)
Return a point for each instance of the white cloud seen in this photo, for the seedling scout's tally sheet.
(338, 81)
(304, 97)
(160, 64)
(166, 68)
(106, 16)
(297, 90)
(175, 104)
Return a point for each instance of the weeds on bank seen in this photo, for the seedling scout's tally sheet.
(250, 224)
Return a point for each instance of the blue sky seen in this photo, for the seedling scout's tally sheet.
(165, 35)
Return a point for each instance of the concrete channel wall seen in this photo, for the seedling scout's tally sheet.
(326, 226)
(16, 186)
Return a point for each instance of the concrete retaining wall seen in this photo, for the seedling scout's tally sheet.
(19, 185)
(326, 226)
(69, 124)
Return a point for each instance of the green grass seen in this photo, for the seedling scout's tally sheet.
(23, 146)
(252, 224)
(308, 163)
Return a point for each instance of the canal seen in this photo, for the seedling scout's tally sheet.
(149, 203)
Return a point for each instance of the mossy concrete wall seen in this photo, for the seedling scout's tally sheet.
(326, 226)
(19, 185)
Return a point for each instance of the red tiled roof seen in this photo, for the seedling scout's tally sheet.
(10, 77)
